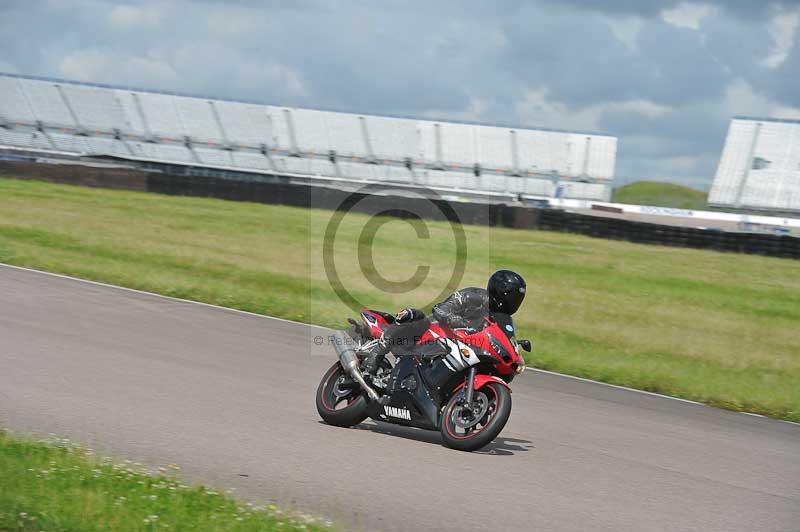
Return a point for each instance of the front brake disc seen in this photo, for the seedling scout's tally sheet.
(465, 417)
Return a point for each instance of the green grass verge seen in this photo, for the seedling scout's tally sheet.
(720, 328)
(660, 195)
(56, 487)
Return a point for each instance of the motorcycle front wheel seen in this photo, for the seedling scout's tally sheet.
(339, 399)
(470, 428)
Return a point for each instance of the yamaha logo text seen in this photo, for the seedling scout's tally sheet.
(400, 413)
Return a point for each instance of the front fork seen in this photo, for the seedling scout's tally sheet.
(469, 391)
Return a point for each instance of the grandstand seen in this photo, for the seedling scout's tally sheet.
(759, 169)
(66, 117)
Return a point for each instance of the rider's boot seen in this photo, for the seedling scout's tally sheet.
(375, 357)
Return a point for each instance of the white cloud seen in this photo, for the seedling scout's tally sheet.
(686, 15)
(782, 111)
(536, 109)
(783, 28)
(98, 65)
(741, 99)
(288, 78)
(128, 16)
(625, 29)
(645, 108)
(474, 112)
(246, 75)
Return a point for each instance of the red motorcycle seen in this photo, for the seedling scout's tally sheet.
(455, 381)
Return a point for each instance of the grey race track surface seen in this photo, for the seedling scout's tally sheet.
(226, 394)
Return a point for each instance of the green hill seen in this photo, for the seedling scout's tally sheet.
(661, 195)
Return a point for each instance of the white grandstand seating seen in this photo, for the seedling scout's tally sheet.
(96, 108)
(733, 163)
(395, 174)
(133, 124)
(459, 144)
(297, 165)
(321, 167)
(47, 105)
(393, 138)
(767, 187)
(251, 160)
(13, 104)
(558, 154)
(494, 147)
(448, 179)
(161, 115)
(310, 131)
(163, 152)
(98, 144)
(360, 171)
(760, 166)
(494, 183)
(246, 123)
(280, 128)
(576, 155)
(70, 143)
(533, 149)
(602, 158)
(109, 146)
(214, 157)
(197, 119)
(25, 139)
(536, 187)
(156, 126)
(426, 148)
(345, 134)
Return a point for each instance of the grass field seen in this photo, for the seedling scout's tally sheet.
(718, 328)
(56, 487)
(661, 195)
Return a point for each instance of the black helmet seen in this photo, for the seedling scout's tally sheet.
(506, 291)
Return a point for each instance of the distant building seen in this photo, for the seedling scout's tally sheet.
(760, 166)
(87, 119)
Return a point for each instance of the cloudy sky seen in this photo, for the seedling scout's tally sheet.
(663, 76)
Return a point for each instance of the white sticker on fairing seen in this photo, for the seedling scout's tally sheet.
(461, 355)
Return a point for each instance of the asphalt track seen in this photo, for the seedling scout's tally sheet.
(230, 397)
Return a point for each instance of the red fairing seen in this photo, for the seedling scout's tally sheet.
(491, 340)
(434, 332)
(375, 321)
(506, 359)
(481, 380)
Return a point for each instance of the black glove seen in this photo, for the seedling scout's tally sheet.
(408, 315)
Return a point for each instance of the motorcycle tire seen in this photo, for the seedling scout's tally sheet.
(329, 400)
(491, 423)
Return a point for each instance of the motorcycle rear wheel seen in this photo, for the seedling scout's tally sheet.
(337, 406)
(498, 410)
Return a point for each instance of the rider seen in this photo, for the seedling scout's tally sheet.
(463, 309)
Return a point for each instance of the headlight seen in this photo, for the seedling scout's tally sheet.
(521, 365)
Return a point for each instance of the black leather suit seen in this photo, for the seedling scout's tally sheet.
(464, 308)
